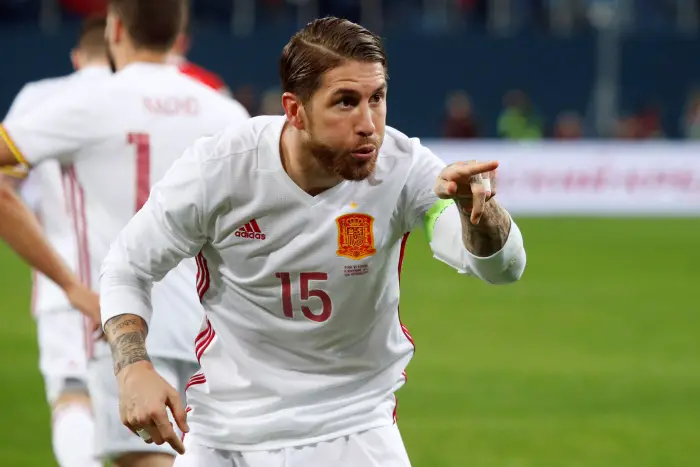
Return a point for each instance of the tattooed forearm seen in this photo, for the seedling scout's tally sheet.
(490, 234)
(129, 348)
(127, 339)
(120, 325)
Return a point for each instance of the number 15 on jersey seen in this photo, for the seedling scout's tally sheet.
(306, 293)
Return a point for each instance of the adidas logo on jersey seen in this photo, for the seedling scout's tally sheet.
(250, 230)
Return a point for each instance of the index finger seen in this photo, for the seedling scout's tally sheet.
(178, 411)
(168, 433)
(454, 173)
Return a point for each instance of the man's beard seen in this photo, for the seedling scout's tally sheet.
(341, 162)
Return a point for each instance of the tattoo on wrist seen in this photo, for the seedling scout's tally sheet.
(490, 234)
(119, 325)
(129, 348)
(127, 339)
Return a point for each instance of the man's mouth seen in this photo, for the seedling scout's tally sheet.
(365, 152)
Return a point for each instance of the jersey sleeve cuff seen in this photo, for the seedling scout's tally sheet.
(13, 147)
(445, 235)
(117, 300)
(504, 266)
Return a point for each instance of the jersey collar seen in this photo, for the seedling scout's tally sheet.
(91, 70)
(144, 67)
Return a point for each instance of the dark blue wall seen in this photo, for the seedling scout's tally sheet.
(558, 73)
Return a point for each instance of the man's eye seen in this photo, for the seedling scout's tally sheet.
(346, 102)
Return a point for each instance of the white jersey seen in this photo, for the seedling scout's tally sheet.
(302, 340)
(114, 142)
(43, 189)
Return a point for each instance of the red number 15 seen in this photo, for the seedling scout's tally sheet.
(305, 293)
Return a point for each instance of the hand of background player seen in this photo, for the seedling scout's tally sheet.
(86, 301)
(471, 184)
(143, 398)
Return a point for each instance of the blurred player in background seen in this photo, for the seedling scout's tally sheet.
(299, 224)
(64, 335)
(178, 57)
(114, 142)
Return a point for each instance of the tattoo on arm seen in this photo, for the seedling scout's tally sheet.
(127, 338)
(490, 234)
(119, 325)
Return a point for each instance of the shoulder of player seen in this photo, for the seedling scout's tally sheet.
(43, 87)
(203, 75)
(53, 95)
(237, 143)
(398, 146)
(226, 104)
(213, 103)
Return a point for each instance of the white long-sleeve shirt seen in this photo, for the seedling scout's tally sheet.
(302, 340)
(43, 190)
(113, 140)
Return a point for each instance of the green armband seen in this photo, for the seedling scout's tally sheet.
(433, 214)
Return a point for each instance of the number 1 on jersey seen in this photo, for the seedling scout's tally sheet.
(143, 166)
(305, 293)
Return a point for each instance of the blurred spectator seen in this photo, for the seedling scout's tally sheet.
(690, 121)
(627, 128)
(519, 120)
(568, 126)
(649, 121)
(460, 121)
(85, 7)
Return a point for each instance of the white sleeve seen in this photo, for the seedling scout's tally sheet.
(169, 228)
(442, 224)
(57, 128)
(420, 185)
(21, 104)
(444, 230)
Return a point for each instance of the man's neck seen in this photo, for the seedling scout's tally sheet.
(176, 59)
(95, 64)
(143, 56)
(301, 167)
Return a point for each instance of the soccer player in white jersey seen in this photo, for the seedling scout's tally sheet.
(63, 334)
(114, 142)
(298, 224)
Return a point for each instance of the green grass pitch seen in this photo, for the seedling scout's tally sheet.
(592, 360)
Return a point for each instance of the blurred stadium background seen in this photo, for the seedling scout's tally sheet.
(593, 359)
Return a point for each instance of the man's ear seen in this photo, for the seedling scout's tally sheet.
(294, 110)
(75, 59)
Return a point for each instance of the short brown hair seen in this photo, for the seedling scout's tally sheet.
(151, 24)
(322, 45)
(91, 38)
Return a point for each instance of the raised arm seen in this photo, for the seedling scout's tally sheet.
(465, 226)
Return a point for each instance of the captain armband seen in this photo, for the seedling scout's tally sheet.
(433, 214)
(13, 148)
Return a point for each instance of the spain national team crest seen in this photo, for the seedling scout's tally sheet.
(355, 236)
